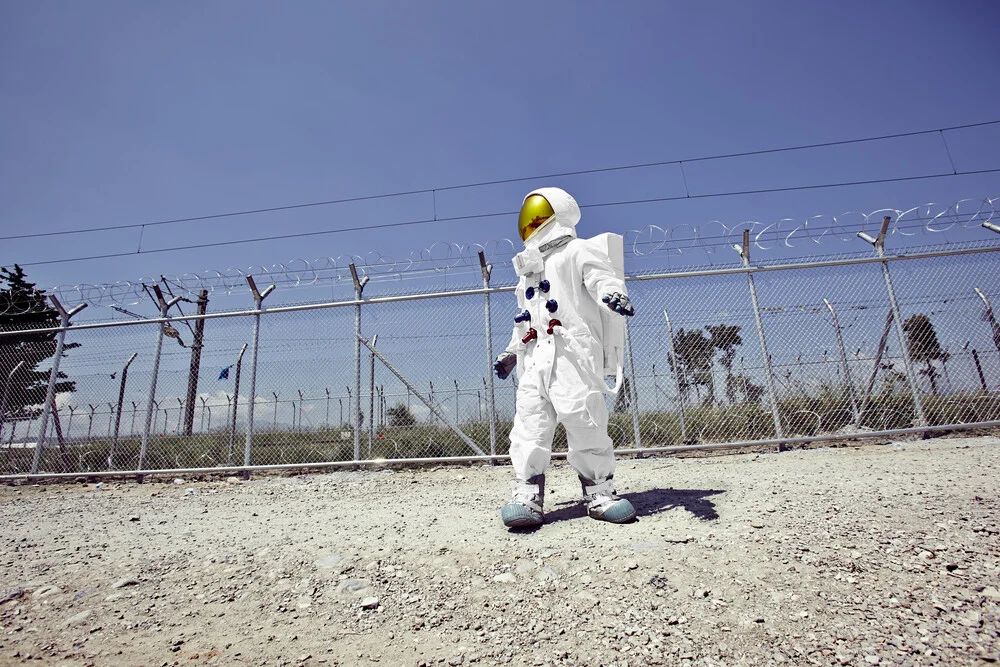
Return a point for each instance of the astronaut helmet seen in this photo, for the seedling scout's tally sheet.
(545, 209)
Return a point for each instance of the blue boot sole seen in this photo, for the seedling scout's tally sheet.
(515, 515)
(620, 512)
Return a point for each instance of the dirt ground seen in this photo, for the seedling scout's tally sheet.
(870, 554)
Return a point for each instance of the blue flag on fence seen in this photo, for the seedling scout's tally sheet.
(224, 373)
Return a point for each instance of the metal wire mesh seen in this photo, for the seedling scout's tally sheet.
(838, 361)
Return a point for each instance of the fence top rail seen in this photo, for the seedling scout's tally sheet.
(499, 290)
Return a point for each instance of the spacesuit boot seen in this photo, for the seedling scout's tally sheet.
(603, 504)
(525, 508)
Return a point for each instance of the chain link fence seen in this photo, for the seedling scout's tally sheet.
(771, 353)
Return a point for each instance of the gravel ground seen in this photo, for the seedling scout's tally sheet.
(875, 554)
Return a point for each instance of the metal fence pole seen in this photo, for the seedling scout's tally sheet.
(994, 325)
(6, 393)
(50, 394)
(487, 271)
(359, 287)
(164, 306)
(676, 369)
(633, 391)
(302, 405)
(744, 251)
(430, 418)
(371, 400)
(381, 406)
(236, 399)
(118, 420)
(979, 370)
(875, 367)
(879, 244)
(848, 382)
(258, 298)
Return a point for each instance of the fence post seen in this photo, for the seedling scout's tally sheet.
(236, 398)
(50, 394)
(6, 393)
(69, 426)
(979, 370)
(359, 288)
(90, 419)
(633, 391)
(994, 325)
(118, 419)
(302, 405)
(487, 271)
(843, 359)
(196, 348)
(875, 366)
(879, 245)
(258, 299)
(744, 251)
(381, 409)
(164, 306)
(676, 369)
(371, 400)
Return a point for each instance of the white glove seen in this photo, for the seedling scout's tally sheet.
(619, 303)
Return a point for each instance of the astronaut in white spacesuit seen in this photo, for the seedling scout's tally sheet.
(564, 283)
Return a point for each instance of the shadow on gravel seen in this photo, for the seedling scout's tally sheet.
(694, 501)
(646, 503)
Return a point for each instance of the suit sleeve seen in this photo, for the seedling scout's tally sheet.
(598, 273)
(515, 345)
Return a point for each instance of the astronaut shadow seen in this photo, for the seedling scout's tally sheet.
(693, 501)
(647, 503)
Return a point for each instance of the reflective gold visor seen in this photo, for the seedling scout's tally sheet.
(535, 212)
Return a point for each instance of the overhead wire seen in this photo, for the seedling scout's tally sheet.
(277, 237)
(403, 193)
(437, 219)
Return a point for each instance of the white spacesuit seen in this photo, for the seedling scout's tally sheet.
(558, 349)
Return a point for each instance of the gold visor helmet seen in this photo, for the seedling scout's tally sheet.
(535, 212)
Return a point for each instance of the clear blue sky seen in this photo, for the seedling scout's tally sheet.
(124, 112)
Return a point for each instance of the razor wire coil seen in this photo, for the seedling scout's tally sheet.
(709, 238)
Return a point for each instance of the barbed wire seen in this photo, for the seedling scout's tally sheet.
(792, 233)
(786, 235)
